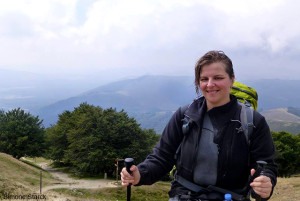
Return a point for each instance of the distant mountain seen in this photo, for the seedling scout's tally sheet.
(31, 91)
(281, 114)
(151, 100)
(145, 97)
(295, 111)
(281, 120)
(276, 93)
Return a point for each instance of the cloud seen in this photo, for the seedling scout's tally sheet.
(13, 97)
(142, 36)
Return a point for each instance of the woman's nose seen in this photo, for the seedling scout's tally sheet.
(210, 82)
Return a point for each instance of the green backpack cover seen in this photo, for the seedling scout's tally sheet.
(245, 94)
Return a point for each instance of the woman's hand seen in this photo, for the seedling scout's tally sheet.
(261, 185)
(128, 179)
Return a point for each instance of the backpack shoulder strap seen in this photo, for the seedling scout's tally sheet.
(246, 118)
(186, 122)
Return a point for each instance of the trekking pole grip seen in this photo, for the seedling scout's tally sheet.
(261, 166)
(258, 171)
(128, 163)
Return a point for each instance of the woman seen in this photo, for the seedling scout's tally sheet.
(214, 152)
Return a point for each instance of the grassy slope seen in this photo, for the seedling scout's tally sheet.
(277, 126)
(287, 189)
(19, 178)
(281, 120)
(155, 192)
(281, 114)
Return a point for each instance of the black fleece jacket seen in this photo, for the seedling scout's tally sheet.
(235, 159)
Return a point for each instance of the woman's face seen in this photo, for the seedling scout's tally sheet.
(215, 84)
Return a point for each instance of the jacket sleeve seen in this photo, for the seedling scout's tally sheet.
(262, 148)
(161, 161)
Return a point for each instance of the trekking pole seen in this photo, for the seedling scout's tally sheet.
(261, 165)
(128, 163)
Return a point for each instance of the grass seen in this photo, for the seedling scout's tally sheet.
(37, 159)
(155, 192)
(287, 189)
(30, 163)
(17, 177)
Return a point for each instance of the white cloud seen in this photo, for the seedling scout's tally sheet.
(244, 8)
(13, 97)
(139, 36)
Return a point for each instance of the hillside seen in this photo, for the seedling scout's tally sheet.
(144, 96)
(32, 91)
(281, 120)
(19, 178)
(151, 100)
(276, 93)
(295, 111)
(281, 114)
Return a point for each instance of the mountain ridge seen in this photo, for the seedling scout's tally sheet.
(151, 100)
(281, 114)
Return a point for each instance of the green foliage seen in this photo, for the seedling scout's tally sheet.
(287, 153)
(56, 143)
(21, 134)
(90, 139)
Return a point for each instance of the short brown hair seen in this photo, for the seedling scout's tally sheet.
(209, 58)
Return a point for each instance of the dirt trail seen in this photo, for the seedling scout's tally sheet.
(71, 183)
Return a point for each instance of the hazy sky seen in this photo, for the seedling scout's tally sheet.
(122, 38)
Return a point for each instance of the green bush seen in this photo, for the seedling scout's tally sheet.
(287, 153)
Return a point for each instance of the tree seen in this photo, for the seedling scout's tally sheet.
(56, 137)
(287, 153)
(21, 134)
(96, 137)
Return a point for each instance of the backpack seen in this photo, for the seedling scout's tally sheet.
(245, 94)
(247, 98)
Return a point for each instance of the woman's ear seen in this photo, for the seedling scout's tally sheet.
(232, 80)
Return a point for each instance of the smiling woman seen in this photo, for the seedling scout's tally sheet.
(211, 152)
(215, 84)
(214, 75)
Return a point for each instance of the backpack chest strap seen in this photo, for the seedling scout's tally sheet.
(199, 189)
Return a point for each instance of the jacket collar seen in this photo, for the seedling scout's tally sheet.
(197, 109)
